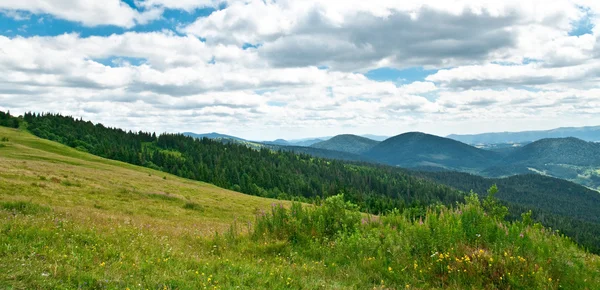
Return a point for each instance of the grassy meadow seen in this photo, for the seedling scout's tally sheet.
(71, 220)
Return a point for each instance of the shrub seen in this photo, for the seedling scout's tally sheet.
(300, 224)
(24, 207)
(193, 206)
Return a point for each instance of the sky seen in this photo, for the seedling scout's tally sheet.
(265, 69)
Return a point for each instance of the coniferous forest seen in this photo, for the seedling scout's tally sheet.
(288, 175)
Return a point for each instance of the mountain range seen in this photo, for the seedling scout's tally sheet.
(590, 133)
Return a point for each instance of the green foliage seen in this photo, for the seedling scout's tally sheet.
(193, 206)
(300, 225)
(23, 207)
(556, 203)
(492, 206)
(461, 248)
(264, 172)
(6, 120)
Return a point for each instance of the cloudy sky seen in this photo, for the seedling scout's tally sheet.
(291, 69)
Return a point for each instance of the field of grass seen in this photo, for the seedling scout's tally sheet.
(72, 220)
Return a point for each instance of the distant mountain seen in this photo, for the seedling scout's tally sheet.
(307, 142)
(277, 142)
(584, 133)
(417, 149)
(347, 143)
(567, 158)
(322, 153)
(212, 135)
(557, 151)
(375, 137)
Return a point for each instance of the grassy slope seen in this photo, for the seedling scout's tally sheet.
(100, 201)
(72, 220)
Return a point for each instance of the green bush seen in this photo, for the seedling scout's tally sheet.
(24, 207)
(300, 224)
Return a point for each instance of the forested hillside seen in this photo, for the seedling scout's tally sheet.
(7, 120)
(287, 175)
(557, 203)
(262, 172)
(347, 143)
(417, 149)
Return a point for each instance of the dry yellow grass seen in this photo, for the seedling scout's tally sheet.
(102, 191)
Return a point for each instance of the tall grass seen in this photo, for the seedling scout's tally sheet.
(331, 246)
(469, 246)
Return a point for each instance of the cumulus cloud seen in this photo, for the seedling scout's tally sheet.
(295, 68)
(86, 12)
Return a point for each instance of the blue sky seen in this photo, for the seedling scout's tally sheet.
(289, 69)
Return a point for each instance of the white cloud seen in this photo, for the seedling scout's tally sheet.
(502, 66)
(86, 12)
(358, 35)
(187, 5)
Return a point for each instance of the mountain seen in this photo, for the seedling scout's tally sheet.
(306, 142)
(568, 158)
(321, 153)
(417, 149)
(212, 135)
(557, 151)
(591, 133)
(277, 142)
(347, 143)
(375, 137)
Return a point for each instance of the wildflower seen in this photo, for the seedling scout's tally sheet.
(549, 279)
(390, 269)
(102, 264)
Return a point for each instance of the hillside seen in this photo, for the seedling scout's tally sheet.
(73, 220)
(567, 158)
(263, 172)
(347, 143)
(417, 149)
(321, 153)
(557, 151)
(276, 173)
(213, 135)
(584, 133)
(58, 176)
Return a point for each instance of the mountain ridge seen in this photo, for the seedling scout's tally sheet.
(586, 133)
(347, 143)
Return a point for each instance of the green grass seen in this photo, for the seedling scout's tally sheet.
(70, 220)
